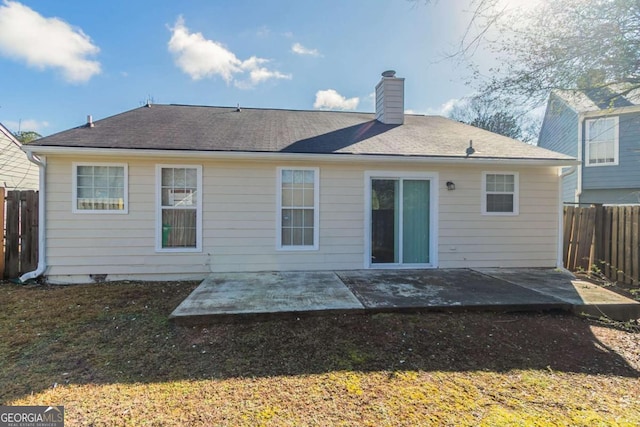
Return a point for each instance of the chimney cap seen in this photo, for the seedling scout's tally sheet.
(389, 73)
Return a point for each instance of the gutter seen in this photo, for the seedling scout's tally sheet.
(284, 156)
(42, 266)
(561, 175)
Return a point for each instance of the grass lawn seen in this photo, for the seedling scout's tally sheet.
(109, 355)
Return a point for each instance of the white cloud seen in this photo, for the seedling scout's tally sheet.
(257, 73)
(26, 125)
(42, 42)
(301, 50)
(201, 58)
(331, 100)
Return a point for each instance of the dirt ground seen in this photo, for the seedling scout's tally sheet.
(87, 346)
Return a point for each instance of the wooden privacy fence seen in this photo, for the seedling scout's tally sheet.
(605, 237)
(19, 219)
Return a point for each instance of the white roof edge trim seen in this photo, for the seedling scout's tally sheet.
(9, 135)
(271, 156)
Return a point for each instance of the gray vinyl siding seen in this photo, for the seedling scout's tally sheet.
(560, 133)
(569, 186)
(559, 128)
(625, 175)
(617, 196)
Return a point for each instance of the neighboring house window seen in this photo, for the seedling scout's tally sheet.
(298, 195)
(601, 147)
(100, 188)
(179, 208)
(500, 193)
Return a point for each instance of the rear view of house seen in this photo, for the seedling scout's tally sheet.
(601, 127)
(175, 191)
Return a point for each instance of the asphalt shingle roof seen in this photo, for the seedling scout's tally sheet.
(201, 128)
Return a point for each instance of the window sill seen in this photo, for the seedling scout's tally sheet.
(297, 248)
(178, 250)
(106, 212)
(599, 165)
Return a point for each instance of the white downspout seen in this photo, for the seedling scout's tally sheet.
(560, 260)
(41, 220)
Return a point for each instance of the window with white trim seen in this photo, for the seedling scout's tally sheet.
(298, 195)
(100, 188)
(179, 223)
(601, 141)
(500, 193)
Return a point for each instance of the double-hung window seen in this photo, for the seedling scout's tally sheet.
(500, 193)
(100, 188)
(298, 196)
(601, 146)
(179, 223)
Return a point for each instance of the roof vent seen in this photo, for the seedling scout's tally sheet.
(470, 149)
(90, 121)
(238, 108)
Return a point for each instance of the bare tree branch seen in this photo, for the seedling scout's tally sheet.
(552, 44)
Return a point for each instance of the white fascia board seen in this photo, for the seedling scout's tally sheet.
(6, 132)
(280, 156)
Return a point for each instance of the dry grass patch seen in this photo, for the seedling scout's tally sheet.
(108, 354)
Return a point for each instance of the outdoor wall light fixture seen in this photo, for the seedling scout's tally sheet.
(451, 186)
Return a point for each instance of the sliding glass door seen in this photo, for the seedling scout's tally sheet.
(400, 221)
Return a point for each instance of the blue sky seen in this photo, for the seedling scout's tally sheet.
(63, 60)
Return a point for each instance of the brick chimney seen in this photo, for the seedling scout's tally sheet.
(390, 99)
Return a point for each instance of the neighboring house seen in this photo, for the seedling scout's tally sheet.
(175, 192)
(601, 128)
(16, 171)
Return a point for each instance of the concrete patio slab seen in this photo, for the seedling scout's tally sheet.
(584, 297)
(233, 296)
(442, 289)
(228, 294)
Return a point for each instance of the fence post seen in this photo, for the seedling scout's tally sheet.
(568, 224)
(12, 256)
(29, 231)
(584, 239)
(598, 243)
(608, 220)
(627, 245)
(3, 232)
(635, 245)
(621, 255)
